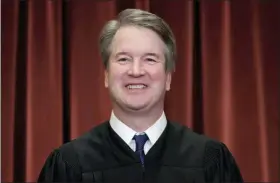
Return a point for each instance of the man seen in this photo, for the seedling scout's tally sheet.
(138, 143)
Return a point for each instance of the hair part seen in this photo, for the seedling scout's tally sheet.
(137, 17)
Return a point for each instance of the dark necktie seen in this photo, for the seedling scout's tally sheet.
(140, 141)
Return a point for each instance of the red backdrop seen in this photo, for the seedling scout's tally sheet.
(225, 84)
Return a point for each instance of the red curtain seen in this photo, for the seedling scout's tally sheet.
(225, 85)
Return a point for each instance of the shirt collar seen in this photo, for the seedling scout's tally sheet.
(127, 134)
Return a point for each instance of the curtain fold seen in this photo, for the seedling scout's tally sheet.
(9, 37)
(89, 100)
(235, 83)
(225, 84)
(43, 81)
(33, 87)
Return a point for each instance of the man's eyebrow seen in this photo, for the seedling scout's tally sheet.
(152, 54)
(121, 53)
(146, 54)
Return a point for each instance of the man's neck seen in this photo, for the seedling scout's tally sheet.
(137, 121)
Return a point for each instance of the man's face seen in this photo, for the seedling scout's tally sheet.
(136, 75)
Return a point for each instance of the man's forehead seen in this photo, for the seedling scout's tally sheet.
(130, 47)
(154, 54)
(125, 43)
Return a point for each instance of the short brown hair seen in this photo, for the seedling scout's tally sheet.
(137, 17)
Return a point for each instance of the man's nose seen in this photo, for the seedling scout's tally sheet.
(136, 69)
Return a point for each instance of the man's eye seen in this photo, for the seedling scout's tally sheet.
(151, 60)
(123, 59)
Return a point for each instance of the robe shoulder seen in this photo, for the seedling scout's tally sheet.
(219, 163)
(64, 164)
(213, 156)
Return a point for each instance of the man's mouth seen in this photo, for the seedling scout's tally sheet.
(136, 86)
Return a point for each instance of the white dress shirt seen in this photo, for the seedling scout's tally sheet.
(127, 134)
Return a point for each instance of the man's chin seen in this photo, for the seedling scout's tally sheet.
(133, 105)
(136, 107)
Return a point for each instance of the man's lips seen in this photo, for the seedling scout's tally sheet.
(136, 86)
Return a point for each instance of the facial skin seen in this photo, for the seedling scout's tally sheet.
(136, 74)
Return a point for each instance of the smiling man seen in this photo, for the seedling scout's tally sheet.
(138, 143)
(136, 75)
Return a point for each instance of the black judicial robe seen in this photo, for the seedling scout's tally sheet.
(179, 156)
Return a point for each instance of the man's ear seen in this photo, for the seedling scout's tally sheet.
(168, 81)
(106, 78)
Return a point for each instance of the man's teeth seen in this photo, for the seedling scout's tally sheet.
(136, 86)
